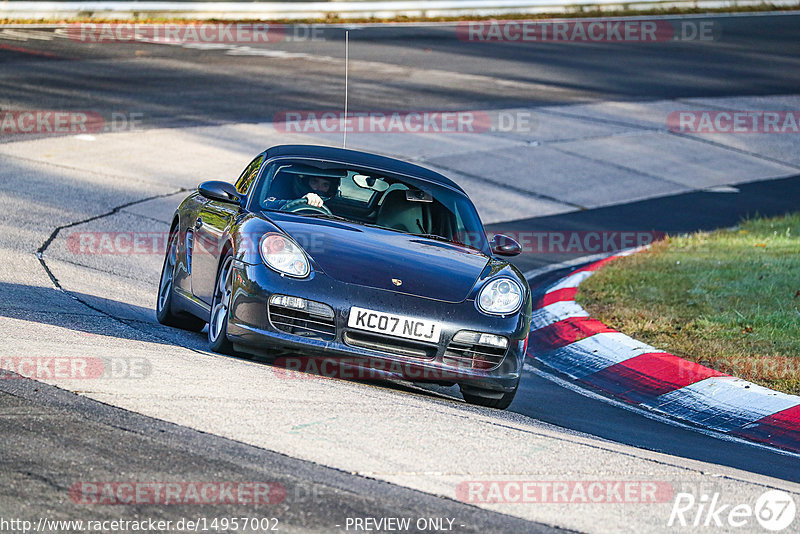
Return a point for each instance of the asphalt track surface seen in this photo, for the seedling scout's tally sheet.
(58, 425)
(52, 437)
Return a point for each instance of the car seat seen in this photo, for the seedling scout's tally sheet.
(400, 214)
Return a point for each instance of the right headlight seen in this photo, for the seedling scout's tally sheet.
(501, 296)
(284, 255)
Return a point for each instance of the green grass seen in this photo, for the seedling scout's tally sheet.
(728, 299)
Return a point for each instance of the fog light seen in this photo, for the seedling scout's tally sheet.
(491, 340)
(319, 309)
(466, 337)
(285, 301)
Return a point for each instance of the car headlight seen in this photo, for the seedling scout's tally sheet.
(500, 297)
(284, 255)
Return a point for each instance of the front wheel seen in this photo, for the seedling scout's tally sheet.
(164, 305)
(220, 309)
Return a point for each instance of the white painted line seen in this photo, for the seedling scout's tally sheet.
(723, 403)
(721, 189)
(209, 46)
(533, 273)
(25, 34)
(631, 251)
(265, 52)
(573, 280)
(555, 312)
(595, 353)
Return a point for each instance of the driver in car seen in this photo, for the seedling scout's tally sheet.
(321, 189)
(314, 189)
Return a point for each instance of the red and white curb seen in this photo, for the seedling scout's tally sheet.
(564, 338)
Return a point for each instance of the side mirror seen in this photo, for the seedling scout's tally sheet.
(502, 245)
(222, 191)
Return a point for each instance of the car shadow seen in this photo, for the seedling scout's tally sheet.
(90, 314)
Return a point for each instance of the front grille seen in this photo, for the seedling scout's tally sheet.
(302, 323)
(389, 345)
(467, 355)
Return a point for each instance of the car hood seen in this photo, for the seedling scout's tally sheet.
(377, 258)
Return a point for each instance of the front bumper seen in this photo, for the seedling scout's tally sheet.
(250, 328)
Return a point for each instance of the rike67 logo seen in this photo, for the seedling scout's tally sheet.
(774, 511)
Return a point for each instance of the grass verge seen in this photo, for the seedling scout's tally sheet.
(728, 299)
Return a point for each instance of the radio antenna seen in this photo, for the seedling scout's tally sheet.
(346, 71)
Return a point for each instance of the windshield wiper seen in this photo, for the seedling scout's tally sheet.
(326, 216)
(436, 237)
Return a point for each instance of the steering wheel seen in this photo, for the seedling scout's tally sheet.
(301, 205)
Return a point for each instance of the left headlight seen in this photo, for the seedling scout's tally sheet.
(502, 296)
(284, 255)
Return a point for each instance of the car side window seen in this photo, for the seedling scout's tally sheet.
(248, 175)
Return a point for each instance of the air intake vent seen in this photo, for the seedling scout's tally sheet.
(472, 350)
(390, 345)
(316, 321)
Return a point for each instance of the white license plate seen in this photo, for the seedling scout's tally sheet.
(394, 325)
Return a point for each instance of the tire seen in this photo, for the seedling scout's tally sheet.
(220, 308)
(500, 403)
(166, 293)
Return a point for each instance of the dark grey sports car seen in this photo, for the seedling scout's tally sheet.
(338, 254)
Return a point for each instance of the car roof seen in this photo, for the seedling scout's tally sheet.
(363, 159)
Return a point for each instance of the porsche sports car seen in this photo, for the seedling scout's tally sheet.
(334, 253)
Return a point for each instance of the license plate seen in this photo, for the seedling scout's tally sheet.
(394, 325)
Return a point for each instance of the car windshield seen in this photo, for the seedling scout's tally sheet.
(370, 198)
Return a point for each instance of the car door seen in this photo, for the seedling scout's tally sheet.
(213, 220)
